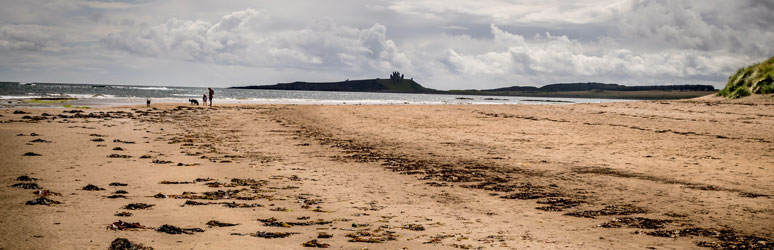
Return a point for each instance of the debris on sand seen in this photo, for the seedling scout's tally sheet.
(558, 204)
(273, 222)
(175, 182)
(123, 214)
(324, 235)
(19, 112)
(635, 222)
(625, 209)
(118, 184)
(726, 238)
(414, 227)
(115, 196)
(315, 243)
(25, 178)
(272, 235)
(26, 185)
(91, 187)
(196, 203)
(145, 156)
(371, 237)
(160, 196)
(170, 229)
(98, 140)
(45, 192)
(42, 201)
(157, 161)
(214, 223)
(40, 141)
(119, 156)
(136, 206)
(118, 149)
(123, 225)
(31, 154)
(124, 142)
(125, 244)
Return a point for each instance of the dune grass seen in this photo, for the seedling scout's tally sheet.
(755, 79)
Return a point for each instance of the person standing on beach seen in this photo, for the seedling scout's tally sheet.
(204, 98)
(212, 92)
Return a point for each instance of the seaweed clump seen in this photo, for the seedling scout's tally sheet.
(214, 223)
(635, 222)
(315, 243)
(272, 235)
(625, 209)
(42, 201)
(170, 229)
(125, 244)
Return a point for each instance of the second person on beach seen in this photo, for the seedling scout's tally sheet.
(211, 93)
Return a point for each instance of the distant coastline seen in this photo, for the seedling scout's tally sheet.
(397, 84)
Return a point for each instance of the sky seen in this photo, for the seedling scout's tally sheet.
(451, 44)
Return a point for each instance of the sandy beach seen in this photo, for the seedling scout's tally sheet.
(625, 175)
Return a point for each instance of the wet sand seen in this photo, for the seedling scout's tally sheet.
(657, 174)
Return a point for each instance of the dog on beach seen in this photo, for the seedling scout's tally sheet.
(193, 101)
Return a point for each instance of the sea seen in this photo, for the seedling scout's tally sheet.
(94, 95)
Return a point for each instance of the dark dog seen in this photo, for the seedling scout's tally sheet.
(193, 101)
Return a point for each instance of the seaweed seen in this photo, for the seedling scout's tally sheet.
(272, 235)
(136, 206)
(25, 185)
(123, 214)
(42, 201)
(414, 227)
(40, 141)
(117, 184)
(91, 187)
(214, 223)
(119, 156)
(25, 178)
(324, 235)
(625, 209)
(98, 140)
(125, 244)
(725, 238)
(157, 161)
(170, 229)
(123, 225)
(315, 243)
(115, 196)
(371, 237)
(558, 204)
(118, 149)
(635, 222)
(124, 142)
(31, 154)
(175, 182)
(160, 196)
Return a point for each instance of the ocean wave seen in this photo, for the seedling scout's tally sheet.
(142, 88)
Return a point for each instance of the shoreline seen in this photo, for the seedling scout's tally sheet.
(491, 176)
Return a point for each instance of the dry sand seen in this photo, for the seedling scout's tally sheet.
(656, 175)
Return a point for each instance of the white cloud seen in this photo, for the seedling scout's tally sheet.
(29, 37)
(232, 41)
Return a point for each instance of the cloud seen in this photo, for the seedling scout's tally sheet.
(29, 38)
(561, 58)
(234, 40)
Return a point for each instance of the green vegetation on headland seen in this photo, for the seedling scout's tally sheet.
(397, 84)
(755, 79)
